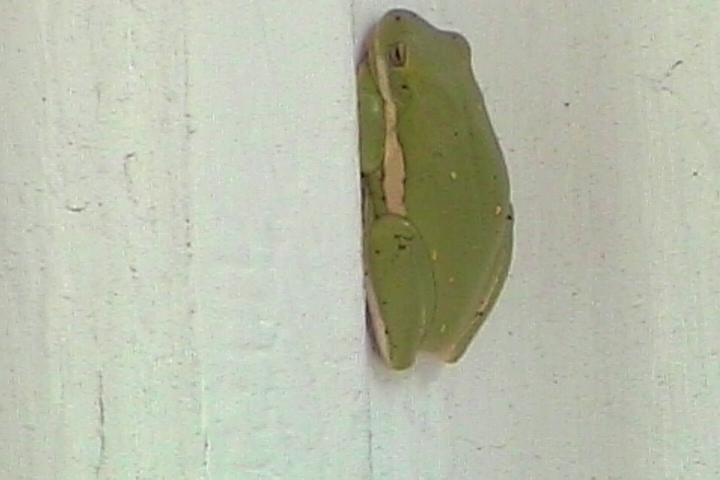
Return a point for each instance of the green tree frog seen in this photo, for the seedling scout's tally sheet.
(437, 218)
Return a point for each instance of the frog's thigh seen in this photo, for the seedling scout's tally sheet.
(456, 347)
(402, 299)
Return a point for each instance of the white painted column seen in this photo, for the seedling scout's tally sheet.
(601, 357)
(181, 280)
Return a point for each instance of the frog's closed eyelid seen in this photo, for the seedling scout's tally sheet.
(397, 55)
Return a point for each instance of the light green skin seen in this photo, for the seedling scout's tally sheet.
(433, 269)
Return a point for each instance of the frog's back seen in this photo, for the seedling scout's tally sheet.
(457, 188)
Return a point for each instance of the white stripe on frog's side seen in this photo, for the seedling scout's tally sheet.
(393, 160)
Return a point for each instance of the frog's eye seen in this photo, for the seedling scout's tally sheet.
(397, 55)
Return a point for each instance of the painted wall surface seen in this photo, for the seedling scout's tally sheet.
(180, 275)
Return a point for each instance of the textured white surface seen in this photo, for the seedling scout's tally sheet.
(180, 287)
(601, 359)
(181, 292)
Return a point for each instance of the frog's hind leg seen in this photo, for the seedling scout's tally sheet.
(400, 288)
